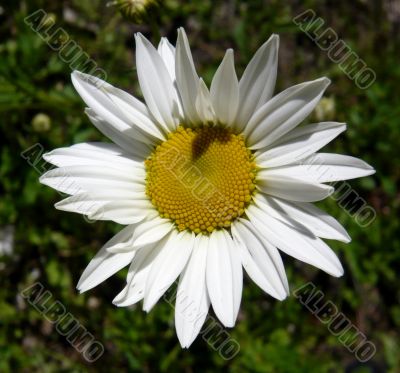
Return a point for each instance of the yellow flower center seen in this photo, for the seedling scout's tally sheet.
(201, 178)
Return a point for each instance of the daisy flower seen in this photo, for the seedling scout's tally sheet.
(206, 181)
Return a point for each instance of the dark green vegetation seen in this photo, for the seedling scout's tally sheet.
(54, 247)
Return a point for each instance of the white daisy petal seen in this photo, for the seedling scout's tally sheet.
(204, 106)
(224, 277)
(264, 202)
(294, 189)
(187, 79)
(257, 84)
(325, 167)
(108, 149)
(192, 300)
(311, 250)
(78, 179)
(322, 168)
(314, 219)
(299, 144)
(225, 90)
(81, 203)
(106, 208)
(167, 52)
(116, 107)
(138, 273)
(167, 266)
(135, 111)
(124, 211)
(121, 138)
(237, 274)
(264, 268)
(91, 154)
(105, 264)
(151, 231)
(283, 112)
(156, 84)
(273, 252)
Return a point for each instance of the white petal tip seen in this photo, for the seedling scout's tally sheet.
(150, 301)
(81, 288)
(284, 294)
(146, 308)
(227, 323)
(47, 157)
(123, 301)
(184, 343)
(148, 304)
(117, 302)
(326, 81)
(275, 38)
(346, 239)
(280, 297)
(58, 205)
(140, 38)
(330, 190)
(339, 273)
(79, 75)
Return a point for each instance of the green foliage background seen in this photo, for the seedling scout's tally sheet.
(54, 247)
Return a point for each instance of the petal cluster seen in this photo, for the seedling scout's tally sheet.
(107, 181)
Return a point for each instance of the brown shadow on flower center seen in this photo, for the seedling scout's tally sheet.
(207, 136)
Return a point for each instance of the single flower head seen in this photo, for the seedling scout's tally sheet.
(207, 181)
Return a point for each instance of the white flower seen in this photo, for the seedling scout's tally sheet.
(206, 181)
